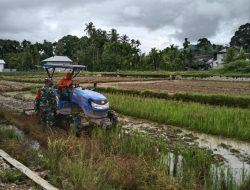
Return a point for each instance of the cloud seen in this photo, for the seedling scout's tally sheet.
(155, 23)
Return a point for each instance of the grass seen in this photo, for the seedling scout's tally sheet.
(115, 159)
(228, 122)
(21, 150)
(212, 99)
(239, 66)
(12, 176)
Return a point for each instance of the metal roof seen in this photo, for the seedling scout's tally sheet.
(58, 59)
(2, 61)
(65, 66)
(223, 51)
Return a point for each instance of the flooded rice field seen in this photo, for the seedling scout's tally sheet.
(234, 153)
(230, 152)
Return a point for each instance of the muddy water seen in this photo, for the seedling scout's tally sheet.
(235, 154)
(20, 134)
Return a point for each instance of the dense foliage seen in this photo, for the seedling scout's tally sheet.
(241, 37)
(100, 50)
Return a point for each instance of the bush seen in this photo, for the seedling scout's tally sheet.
(237, 66)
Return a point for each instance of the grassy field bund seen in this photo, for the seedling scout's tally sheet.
(224, 121)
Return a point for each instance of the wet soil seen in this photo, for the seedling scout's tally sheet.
(80, 79)
(211, 85)
(186, 86)
(235, 153)
(14, 101)
(11, 85)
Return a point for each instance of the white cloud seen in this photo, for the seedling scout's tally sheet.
(156, 23)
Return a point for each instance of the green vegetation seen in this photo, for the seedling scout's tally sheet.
(12, 176)
(234, 69)
(20, 148)
(102, 50)
(228, 122)
(237, 66)
(217, 100)
(115, 159)
(241, 37)
(26, 80)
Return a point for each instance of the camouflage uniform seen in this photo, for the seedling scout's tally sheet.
(46, 104)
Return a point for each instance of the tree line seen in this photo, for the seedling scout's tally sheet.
(100, 50)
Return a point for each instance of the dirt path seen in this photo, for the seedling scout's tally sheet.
(186, 86)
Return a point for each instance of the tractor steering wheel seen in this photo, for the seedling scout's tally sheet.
(75, 84)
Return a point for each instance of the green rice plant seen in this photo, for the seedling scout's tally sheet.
(119, 141)
(228, 122)
(212, 99)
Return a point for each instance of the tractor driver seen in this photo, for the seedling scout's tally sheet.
(65, 82)
(65, 86)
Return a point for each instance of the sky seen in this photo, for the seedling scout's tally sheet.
(156, 23)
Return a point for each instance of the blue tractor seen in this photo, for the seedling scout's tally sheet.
(68, 103)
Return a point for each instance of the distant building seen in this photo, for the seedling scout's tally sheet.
(204, 62)
(193, 47)
(57, 60)
(2, 65)
(219, 58)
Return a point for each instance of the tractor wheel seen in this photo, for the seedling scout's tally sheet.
(40, 117)
(113, 117)
(77, 124)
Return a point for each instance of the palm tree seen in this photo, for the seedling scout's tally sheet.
(138, 43)
(90, 29)
(124, 38)
(114, 36)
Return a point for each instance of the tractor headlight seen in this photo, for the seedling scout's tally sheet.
(99, 106)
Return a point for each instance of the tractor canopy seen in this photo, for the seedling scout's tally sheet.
(75, 69)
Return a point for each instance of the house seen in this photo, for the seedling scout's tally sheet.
(2, 65)
(204, 62)
(57, 60)
(218, 58)
(193, 47)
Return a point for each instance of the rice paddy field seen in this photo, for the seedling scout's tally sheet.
(172, 133)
